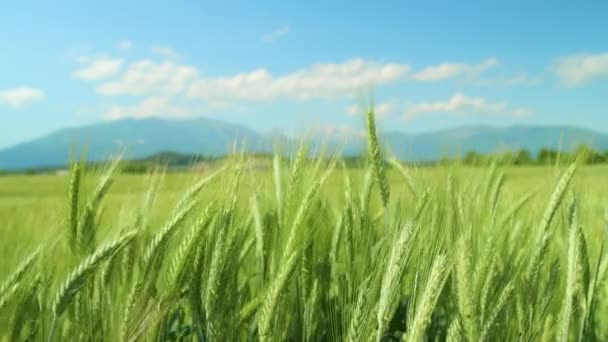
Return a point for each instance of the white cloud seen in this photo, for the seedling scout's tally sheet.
(452, 70)
(385, 109)
(164, 51)
(381, 111)
(461, 104)
(146, 77)
(276, 34)
(182, 84)
(149, 107)
(19, 97)
(125, 45)
(520, 79)
(522, 111)
(578, 69)
(317, 81)
(353, 110)
(98, 69)
(333, 131)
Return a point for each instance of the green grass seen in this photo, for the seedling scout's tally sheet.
(33, 207)
(460, 253)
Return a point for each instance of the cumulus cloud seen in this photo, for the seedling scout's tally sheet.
(180, 82)
(19, 97)
(353, 110)
(318, 81)
(147, 77)
(276, 34)
(333, 131)
(578, 69)
(98, 69)
(171, 85)
(520, 79)
(381, 111)
(385, 109)
(149, 107)
(452, 70)
(522, 111)
(461, 104)
(457, 103)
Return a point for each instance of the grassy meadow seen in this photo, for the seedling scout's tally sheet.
(306, 251)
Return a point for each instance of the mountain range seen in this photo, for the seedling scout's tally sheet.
(139, 138)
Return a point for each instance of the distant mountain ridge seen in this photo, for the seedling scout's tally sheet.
(142, 138)
(487, 139)
(136, 138)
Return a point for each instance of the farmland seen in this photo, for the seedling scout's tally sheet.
(306, 251)
(197, 171)
(33, 207)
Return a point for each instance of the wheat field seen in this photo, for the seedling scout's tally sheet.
(308, 250)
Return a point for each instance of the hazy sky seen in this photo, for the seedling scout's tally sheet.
(293, 65)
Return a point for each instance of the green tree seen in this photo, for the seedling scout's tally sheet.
(522, 157)
(472, 158)
(589, 155)
(547, 156)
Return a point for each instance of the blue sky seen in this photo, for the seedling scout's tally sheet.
(297, 66)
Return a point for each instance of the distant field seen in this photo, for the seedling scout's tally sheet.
(454, 253)
(33, 207)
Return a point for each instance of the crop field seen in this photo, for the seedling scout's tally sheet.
(306, 251)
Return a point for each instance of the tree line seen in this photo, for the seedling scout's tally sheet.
(172, 161)
(545, 156)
